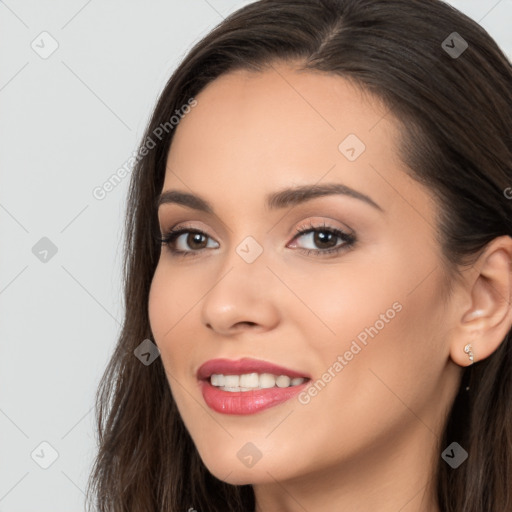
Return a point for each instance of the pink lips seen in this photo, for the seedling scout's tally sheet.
(245, 402)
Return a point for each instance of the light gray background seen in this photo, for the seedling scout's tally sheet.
(67, 123)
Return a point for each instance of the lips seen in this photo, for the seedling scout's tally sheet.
(250, 401)
(243, 366)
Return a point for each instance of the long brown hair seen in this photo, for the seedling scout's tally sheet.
(455, 113)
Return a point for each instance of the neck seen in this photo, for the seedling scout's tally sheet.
(391, 475)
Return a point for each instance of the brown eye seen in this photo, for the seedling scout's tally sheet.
(185, 241)
(196, 240)
(322, 240)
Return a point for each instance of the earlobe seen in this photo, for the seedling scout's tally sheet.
(485, 323)
(468, 349)
(463, 353)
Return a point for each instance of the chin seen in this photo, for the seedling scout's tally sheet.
(235, 473)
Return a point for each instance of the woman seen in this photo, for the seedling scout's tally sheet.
(318, 271)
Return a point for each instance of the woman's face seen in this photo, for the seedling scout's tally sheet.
(355, 306)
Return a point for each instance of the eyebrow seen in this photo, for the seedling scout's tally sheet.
(281, 199)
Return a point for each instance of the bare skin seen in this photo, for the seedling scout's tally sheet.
(368, 439)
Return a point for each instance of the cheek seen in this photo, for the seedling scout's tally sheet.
(170, 301)
(380, 317)
(169, 307)
(174, 294)
(338, 303)
(389, 364)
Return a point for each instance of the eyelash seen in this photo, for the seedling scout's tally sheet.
(349, 239)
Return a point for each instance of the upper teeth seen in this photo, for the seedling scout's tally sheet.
(249, 381)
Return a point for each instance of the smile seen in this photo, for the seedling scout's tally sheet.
(251, 381)
(247, 386)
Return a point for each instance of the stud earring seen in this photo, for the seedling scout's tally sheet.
(469, 352)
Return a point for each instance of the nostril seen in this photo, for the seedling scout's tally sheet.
(237, 325)
(247, 323)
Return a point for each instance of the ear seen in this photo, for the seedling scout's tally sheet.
(488, 318)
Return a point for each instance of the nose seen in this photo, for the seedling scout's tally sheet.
(243, 297)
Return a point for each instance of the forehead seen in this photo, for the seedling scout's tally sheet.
(259, 131)
(296, 105)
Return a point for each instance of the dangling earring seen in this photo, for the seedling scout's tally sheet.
(469, 352)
